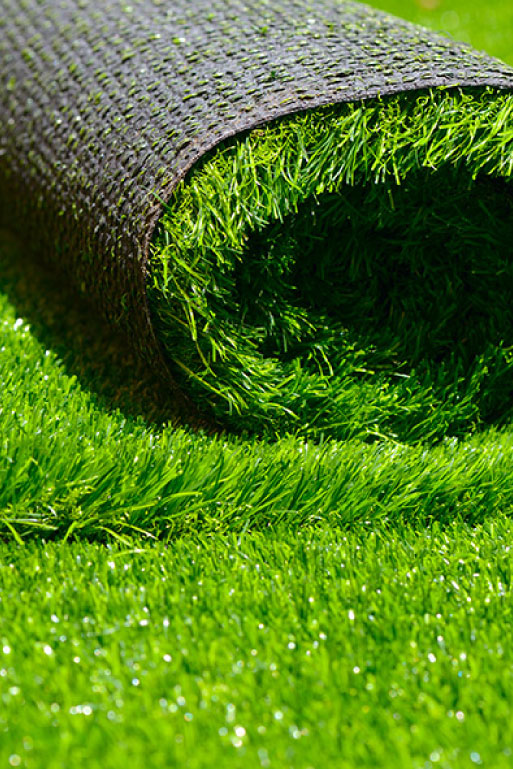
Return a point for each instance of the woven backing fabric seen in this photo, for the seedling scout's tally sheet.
(106, 104)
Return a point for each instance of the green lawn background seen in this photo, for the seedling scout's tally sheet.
(485, 25)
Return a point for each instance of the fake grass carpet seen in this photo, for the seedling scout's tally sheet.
(116, 651)
(309, 650)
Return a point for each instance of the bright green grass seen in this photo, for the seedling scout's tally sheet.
(68, 459)
(371, 650)
(331, 274)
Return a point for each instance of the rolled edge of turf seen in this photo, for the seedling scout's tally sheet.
(106, 107)
(332, 272)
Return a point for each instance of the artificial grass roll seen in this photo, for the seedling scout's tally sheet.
(300, 212)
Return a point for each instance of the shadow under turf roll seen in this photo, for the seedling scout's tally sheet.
(301, 213)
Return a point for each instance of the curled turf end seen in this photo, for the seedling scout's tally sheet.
(347, 271)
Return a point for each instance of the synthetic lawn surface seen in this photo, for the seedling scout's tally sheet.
(387, 681)
(319, 649)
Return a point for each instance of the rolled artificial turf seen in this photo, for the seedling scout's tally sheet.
(334, 633)
(300, 213)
